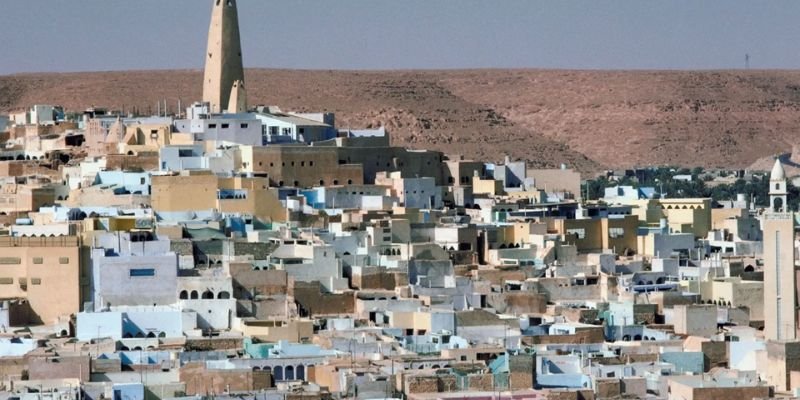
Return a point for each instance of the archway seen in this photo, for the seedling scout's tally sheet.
(289, 373)
(777, 204)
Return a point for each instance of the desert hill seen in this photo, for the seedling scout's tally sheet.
(591, 120)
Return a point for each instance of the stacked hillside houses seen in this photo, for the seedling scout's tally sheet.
(227, 251)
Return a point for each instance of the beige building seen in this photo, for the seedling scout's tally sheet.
(737, 292)
(202, 190)
(688, 215)
(597, 234)
(147, 138)
(695, 320)
(301, 166)
(26, 197)
(487, 186)
(557, 180)
(43, 271)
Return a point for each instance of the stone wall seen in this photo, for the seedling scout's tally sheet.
(124, 162)
(200, 380)
(522, 371)
(589, 335)
(608, 388)
(213, 344)
(715, 354)
(247, 281)
(518, 302)
(59, 368)
(753, 392)
(570, 395)
(313, 301)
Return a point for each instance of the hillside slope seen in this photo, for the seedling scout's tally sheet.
(587, 119)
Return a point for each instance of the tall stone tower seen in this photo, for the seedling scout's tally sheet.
(780, 280)
(223, 58)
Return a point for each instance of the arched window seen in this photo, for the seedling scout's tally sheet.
(277, 373)
(184, 295)
(208, 295)
(300, 373)
(193, 295)
(289, 373)
(777, 204)
(151, 335)
(224, 295)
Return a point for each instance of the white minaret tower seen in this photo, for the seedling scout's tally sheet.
(223, 58)
(780, 281)
(777, 188)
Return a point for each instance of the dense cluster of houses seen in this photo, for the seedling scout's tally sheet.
(222, 251)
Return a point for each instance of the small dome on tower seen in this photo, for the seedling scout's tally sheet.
(777, 174)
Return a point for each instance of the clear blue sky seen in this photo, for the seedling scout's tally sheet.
(99, 35)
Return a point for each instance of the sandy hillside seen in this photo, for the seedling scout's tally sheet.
(588, 119)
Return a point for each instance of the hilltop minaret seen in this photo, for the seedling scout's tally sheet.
(780, 273)
(223, 58)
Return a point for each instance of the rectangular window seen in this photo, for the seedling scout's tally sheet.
(38, 260)
(63, 260)
(10, 260)
(225, 126)
(6, 281)
(212, 126)
(139, 272)
(36, 281)
(273, 130)
(244, 126)
(616, 232)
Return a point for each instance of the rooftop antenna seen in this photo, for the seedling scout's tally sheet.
(747, 61)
